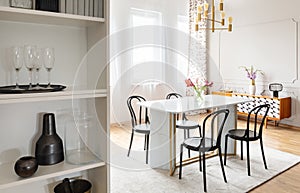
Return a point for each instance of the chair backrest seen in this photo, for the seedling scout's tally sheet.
(173, 95)
(215, 121)
(176, 95)
(139, 116)
(258, 112)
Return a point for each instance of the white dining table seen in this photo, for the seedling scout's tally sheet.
(163, 125)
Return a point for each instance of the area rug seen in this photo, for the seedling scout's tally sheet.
(132, 175)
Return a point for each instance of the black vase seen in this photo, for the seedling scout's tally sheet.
(49, 147)
(74, 186)
(26, 166)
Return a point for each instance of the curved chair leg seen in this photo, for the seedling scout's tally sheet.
(263, 154)
(200, 162)
(187, 136)
(248, 158)
(221, 162)
(204, 173)
(147, 147)
(130, 144)
(145, 142)
(225, 154)
(180, 162)
(242, 156)
(200, 133)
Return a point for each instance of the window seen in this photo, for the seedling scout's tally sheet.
(147, 57)
(182, 60)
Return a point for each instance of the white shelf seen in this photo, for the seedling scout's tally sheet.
(50, 96)
(46, 17)
(8, 178)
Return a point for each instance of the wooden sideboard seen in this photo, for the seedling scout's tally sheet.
(280, 107)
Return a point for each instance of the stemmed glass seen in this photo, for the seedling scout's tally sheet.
(37, 66)
(49, 58)
(30, 60)
(17, 63)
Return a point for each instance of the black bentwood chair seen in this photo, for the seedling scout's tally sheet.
(250, 133)
(140, 124)
(184, 123)
(206, 144)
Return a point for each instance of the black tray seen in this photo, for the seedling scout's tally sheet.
(24, 89)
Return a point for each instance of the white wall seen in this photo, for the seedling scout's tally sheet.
(265, 34)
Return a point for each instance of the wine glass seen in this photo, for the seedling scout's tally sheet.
(30, 58)
(17, 52)
(49, 58)
(37, 66)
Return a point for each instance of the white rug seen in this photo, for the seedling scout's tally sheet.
(131, 175)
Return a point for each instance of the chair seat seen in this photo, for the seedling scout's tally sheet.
(142, 128)
(239, 134)
(186, 124)
(194, 142)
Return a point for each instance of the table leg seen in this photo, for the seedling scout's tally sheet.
(231, 123)
(172, 135)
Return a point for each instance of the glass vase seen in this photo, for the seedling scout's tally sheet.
(199, 95)
(77, 134)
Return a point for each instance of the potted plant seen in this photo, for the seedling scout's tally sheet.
(199, 87)
(252, 73)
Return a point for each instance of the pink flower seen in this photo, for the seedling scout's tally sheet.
(189, 83)
(208, 84)
(200, 85)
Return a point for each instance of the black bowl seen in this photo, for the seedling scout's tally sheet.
(26, 166)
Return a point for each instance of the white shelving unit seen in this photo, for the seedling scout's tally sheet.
(18, 112)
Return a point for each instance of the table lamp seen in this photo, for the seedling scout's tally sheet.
(275, 88)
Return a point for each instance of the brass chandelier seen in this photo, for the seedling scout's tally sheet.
(208, 13)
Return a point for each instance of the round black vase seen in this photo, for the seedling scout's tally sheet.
(49, 147)
(26, 166)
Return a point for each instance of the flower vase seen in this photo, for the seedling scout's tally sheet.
(199, 94)
(252, 88)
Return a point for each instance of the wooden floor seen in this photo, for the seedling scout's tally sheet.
(280, 138)
(287, 140)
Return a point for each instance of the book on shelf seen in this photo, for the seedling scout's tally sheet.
(100, 9)
(91, 8)
(62, 6)
(96, 7)
(86, 7)
(75, 7)
(69, 6)
(81, 7)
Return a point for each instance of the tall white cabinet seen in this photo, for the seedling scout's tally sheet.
(80, 44)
